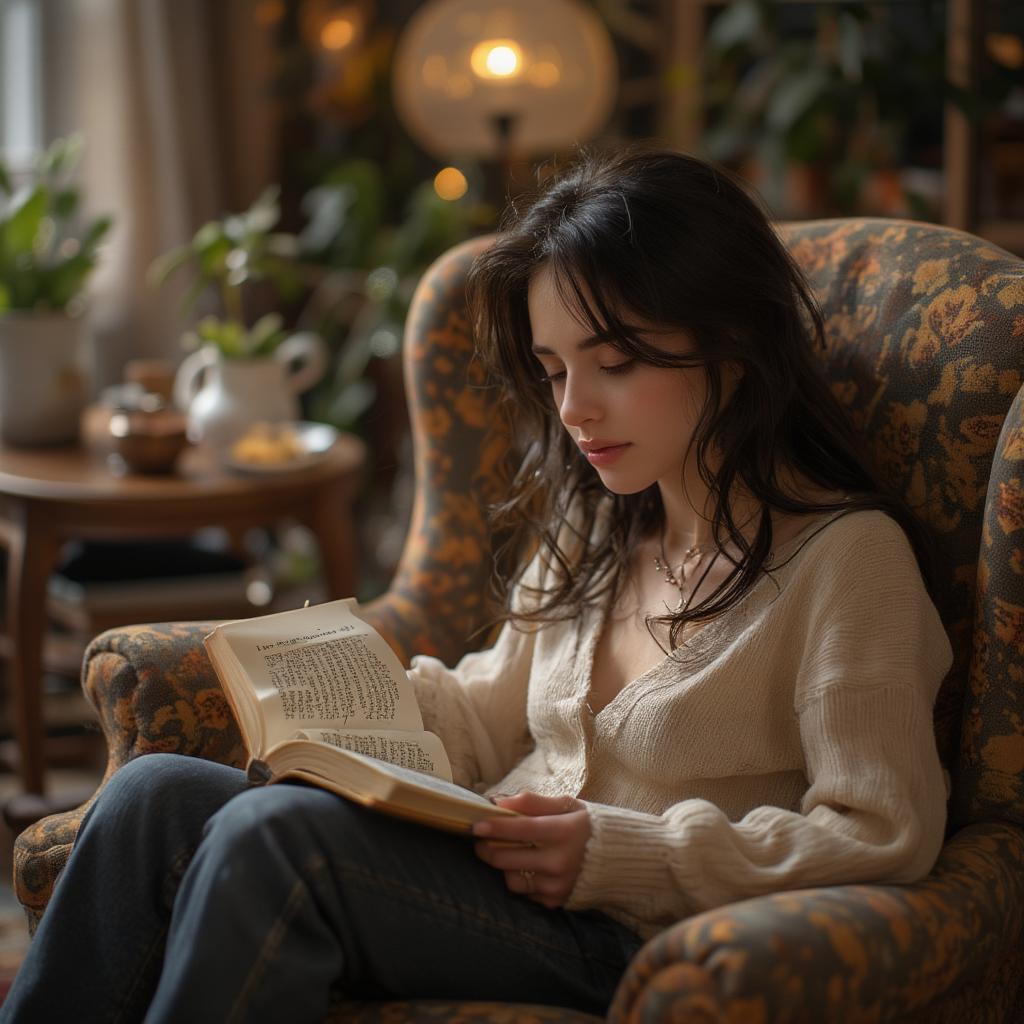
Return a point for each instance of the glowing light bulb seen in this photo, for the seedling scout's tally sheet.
(496, 58)
(502, 61)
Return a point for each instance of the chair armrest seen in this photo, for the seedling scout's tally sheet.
(154, 690)
(848, 953)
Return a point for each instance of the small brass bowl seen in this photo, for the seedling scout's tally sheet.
(147, 442)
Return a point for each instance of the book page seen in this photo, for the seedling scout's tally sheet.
(420, 752)
(322, 667)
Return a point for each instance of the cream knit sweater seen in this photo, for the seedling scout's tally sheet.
(790, 746)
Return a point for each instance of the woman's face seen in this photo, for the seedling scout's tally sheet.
(632, 421)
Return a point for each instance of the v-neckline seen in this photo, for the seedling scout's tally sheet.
(695, 646)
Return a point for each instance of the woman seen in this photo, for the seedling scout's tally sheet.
(715, 680)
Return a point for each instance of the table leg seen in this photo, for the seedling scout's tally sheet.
(331, 522)
(33, 552)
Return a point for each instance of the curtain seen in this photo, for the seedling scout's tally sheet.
(172, 99)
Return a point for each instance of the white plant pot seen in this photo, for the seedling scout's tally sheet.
(44, 377)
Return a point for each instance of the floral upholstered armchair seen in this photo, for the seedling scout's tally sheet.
(925, 347)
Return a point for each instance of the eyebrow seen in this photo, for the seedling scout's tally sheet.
(590, 342)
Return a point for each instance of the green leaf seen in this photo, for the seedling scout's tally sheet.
(208, 235)
(850, 47)
(94, 235)
(739, 23)
(5, 179)
(5, 298)
(264, 214)
(61, 157)
(65, 280)
(794, 97)
(65, 203)
(210, 329)
(213, 258)
(25, 216)
(163, 266)
(263, 333)
(230, 338)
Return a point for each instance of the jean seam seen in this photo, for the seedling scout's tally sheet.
(172, 878)
(489, 924)
(273, 940)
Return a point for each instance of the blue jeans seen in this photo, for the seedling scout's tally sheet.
(191, 896)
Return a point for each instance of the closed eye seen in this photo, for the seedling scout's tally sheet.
(614, 370)
(624, 367)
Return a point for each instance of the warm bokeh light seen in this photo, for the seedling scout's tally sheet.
(1005, 49)
(269, 12)
(450, 183)
(544, 74)
(337, 34)
(496, 58)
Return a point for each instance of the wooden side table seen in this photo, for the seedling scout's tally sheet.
(52, 495)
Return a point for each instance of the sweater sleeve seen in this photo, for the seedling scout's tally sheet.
(478, 708)
(873, 655)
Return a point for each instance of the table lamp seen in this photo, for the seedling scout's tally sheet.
(493, 79)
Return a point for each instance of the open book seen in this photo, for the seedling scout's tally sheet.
(319, 696)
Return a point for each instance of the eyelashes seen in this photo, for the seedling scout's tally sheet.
(614, 370)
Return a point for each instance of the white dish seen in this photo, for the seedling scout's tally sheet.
(315, 440)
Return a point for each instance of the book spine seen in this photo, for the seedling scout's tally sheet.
(258, 772)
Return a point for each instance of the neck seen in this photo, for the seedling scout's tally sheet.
(688, 522)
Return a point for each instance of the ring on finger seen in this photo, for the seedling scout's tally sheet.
(527, 876)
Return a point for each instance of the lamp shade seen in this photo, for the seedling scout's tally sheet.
(477, 78)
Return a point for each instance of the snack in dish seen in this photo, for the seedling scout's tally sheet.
(268, 444)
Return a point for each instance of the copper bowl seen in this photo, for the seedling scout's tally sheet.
(147, 442)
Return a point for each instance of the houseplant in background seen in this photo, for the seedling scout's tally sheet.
(822, 106)
(368, 265)
(246, 367)
(370, 262)
(46, 256)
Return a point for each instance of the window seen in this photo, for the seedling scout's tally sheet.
(21, 81)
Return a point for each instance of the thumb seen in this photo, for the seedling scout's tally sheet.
(534, 804)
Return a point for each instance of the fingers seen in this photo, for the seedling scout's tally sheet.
(541, 850)
(540, 860)
(540, 889)
(534, 804)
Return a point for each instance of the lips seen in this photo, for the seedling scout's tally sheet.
(599, 444)
(602, 451)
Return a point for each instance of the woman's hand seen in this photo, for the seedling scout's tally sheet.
(540, 853)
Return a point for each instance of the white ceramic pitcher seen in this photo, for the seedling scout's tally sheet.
(224, 397)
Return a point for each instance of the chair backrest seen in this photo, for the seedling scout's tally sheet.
(925, 348)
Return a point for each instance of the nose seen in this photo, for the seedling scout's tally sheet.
(579, 404)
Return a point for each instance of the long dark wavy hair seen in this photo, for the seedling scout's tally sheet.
(647, 234)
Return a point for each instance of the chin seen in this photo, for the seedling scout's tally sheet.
(623, 486)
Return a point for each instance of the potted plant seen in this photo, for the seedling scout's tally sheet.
(821, 119)
(46, 257)
(245, 367)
